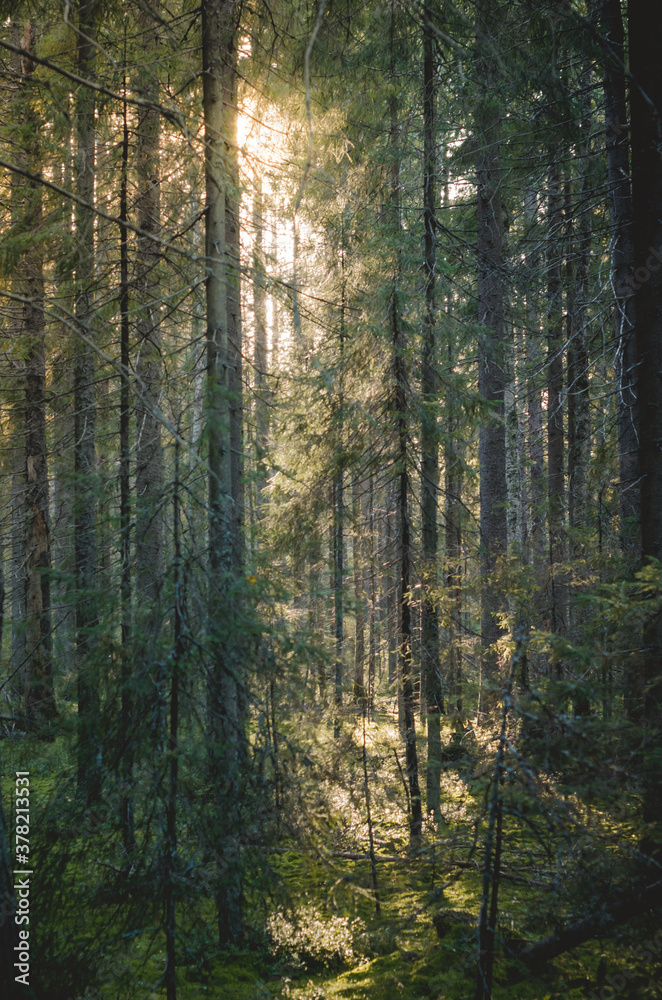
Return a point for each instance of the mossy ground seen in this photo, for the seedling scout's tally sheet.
(313, 930)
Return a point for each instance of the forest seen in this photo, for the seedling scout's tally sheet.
(330, 500)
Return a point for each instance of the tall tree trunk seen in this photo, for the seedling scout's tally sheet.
(235, 347)
(534, 405)
(555, 466)
(128, 686)
(403, 534)
(645, 35)
(579, 423)
(260, 343)
(149, 456)
(218, 45)
(491, 376)
(434, 705)
(359, 599)
(85, 546)
(338, 555)
(33, 512)
(622, 262)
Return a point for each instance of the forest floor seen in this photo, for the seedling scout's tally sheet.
(315, 933)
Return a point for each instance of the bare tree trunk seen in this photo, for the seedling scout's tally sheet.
(338, 553)
(218, 45)
(33, 513)
(534, 404)
(128, 688)
(359, 599)
(431, 667)
(260, 342)
(235, 358)
(149, 455)
(555, 467)
(85, 544)
(491, 375)
(403, 534)
(622, 262)
(149, 458)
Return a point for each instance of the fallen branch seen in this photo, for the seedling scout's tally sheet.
(594, 925)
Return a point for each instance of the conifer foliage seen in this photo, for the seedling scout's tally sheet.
(330, 540)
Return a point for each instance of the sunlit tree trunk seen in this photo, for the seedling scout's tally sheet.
(359, 598)
(218, 42)
(403, 533)
(260, 354)
(235, 344)
(492, 342)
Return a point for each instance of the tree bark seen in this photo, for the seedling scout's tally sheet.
(149, 455)
(85, 544)
(431, 672)
(260, 343)
(218, 43)
(622, 263)
(492, 342)
(555, 439)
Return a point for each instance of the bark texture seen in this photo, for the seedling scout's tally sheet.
(85, 542)
(491, 375)
(218, 35)
(622, 262)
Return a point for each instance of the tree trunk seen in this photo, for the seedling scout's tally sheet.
(149, 456)
(235, 347)
(431, 672)
(555, 468)
(492, 342)
(128, 686)
(359, 599)
(218, 43)
(622, 262)
(260, 343)
(85, 546)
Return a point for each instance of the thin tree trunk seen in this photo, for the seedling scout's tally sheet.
(235, 346)
(260, 343)
(491, 376)
(622, 262)
(359, 599)
(126, 804)
(85, 544)
(555, 441)
(149, 456)
(431, 673)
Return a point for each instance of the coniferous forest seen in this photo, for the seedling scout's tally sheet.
(330, 500)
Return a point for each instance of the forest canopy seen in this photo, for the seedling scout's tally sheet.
(330, 499)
